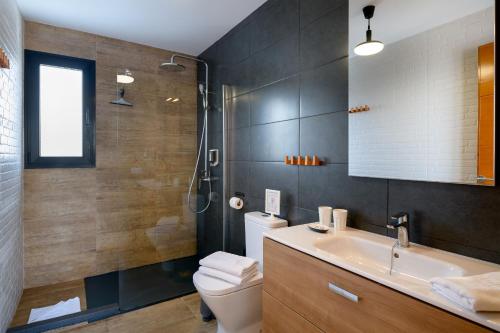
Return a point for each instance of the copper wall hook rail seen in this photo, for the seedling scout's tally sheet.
(4, 60)
(362, 108)
(304, 161)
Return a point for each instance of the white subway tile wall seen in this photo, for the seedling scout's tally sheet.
(422, 92)
(11, 165)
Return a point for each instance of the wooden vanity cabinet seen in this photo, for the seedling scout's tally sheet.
(299, 296)
(280, 318)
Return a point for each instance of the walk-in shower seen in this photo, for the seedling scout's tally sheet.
(150, 242)
(133, 288)
(211, 156)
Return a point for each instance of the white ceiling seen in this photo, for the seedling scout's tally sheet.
(188, 26)
(397, 19)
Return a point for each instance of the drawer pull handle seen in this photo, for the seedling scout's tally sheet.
(342, 292)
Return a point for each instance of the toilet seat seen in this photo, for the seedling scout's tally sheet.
(215, 287)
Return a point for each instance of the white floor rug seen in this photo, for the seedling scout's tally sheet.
(53, 311)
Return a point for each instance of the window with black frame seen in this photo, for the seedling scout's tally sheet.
(59, 104)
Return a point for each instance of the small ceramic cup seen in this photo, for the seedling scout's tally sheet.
(325, 215)
(340, 219)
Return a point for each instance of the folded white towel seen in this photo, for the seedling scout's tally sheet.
(57, 310)
(236, 280)
(476, 293)
(229, 263)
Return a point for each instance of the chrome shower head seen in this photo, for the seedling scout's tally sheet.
(172, 66)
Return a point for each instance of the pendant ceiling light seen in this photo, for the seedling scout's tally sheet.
(369, 47)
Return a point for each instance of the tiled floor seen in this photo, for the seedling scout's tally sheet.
(180, 315)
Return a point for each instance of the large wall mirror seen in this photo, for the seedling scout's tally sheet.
(422, 108)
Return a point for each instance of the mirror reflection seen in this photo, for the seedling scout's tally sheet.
(425, 100)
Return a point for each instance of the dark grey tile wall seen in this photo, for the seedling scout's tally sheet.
(287, 68)
(278, 102)
(333, 95)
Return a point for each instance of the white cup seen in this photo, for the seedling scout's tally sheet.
(325, 215)
(340, 219)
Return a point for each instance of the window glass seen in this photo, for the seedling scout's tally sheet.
(61, 112)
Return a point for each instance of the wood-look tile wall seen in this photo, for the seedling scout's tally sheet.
(131, 209)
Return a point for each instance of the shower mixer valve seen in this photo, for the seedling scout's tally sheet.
(204, 176)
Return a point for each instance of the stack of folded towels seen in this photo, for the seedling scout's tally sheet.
(475, 293)
(229, 267)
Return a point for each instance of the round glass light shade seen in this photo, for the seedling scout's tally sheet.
(125, 77)
(369, 48)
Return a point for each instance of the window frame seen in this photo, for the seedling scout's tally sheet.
(32, 62)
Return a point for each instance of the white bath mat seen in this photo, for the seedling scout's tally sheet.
(53, 311)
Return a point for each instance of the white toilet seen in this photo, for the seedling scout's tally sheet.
(239, 308)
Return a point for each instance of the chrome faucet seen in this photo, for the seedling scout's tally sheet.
(399, 221)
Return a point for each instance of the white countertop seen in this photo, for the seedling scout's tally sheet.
(303, 239)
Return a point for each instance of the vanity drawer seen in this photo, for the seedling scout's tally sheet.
(279, 318)
(336, 300)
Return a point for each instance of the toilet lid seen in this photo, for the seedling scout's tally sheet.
(216, 287)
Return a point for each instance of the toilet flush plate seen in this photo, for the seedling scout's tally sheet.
(272, 202)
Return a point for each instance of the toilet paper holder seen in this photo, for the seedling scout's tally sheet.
(236, 202)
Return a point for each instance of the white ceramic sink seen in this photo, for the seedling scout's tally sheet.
(369, 255)
(376, 254)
